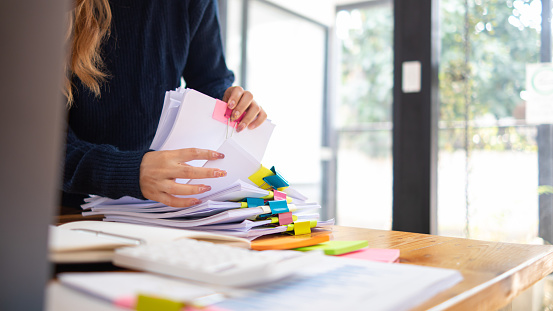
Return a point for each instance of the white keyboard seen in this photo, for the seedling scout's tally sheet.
(213, 263)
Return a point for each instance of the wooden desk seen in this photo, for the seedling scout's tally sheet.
(494, 273)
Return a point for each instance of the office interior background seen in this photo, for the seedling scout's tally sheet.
(455, 157)
(324, 72)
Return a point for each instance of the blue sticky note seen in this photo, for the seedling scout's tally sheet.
(276, 181)
(255, 202)
(278, 207)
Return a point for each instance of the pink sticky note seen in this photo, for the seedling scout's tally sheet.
(279, 195)
(285, 218)
(228, 114)
(220, 112)
(375, 254)
(128, 302)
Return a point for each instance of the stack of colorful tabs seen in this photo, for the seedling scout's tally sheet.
(250, 201)
(240, 209)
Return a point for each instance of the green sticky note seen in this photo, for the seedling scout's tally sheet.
(336, 247)
(148, 303)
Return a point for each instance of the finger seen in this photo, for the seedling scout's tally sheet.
(174, 201)
(261, 117)
(233, 95)
(174, 188)
(189, 154)
(243, 104)
(249, 116)
(192, 172)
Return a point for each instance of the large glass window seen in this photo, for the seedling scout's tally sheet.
(488, 155)
(364, 115)
(285, 70)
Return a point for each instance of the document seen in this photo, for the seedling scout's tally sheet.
(187, 121)
(191, 119)
(122, 288)
(337, 283)
(94, 241)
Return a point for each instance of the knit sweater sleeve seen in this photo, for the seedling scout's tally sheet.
(206, 70)
(101, 169)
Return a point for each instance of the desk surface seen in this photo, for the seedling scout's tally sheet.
(494, 273)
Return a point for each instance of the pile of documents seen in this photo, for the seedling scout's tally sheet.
(249, 202)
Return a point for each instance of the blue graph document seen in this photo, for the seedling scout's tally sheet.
(347, 284)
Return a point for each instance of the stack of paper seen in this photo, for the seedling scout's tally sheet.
(250, 201)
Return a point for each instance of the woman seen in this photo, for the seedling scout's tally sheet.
(125, 54)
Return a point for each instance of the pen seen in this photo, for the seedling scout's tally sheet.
(113, 236)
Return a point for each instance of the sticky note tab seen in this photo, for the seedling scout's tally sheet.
(279, 195)
(276, 181)
(278, 207)
(257, 177)
(219, 113)
(228, 114)
(302, 227)
(243, 204)
(266, 209)
(292, 207)
(375, 254)
(128, 302)
(270, 196)
(147, 303)
(285, 218)
(255, 202)
(337, 247)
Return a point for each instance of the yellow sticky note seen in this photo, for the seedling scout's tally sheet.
(257, 177)
(270, 196)
(243, 204)
(302, 227)
(147, 303)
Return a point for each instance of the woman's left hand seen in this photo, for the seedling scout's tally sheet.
(242, 102)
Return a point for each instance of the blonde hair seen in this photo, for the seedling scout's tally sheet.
(90, 26)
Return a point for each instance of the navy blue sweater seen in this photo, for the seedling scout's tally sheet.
(153, 44)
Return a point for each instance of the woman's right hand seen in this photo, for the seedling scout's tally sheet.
(160, 169)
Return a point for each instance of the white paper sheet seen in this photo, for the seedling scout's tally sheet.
(347, 284)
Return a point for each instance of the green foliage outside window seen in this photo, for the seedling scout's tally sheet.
(484, 66)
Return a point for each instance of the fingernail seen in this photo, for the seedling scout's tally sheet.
(236, 114)
(204, 188)
(241, 127)
(218, 155)
(231, 104)
(219, 173)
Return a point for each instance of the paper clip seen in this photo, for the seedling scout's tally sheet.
(276, 180)
(279, 195)
(278, 207)
(302, 227)
(286, 218)
(255, 202)
(258, 177)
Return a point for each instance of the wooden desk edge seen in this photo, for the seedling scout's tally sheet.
(501, 290)
(490, 295)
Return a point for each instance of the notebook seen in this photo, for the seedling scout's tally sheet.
(94, 241)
